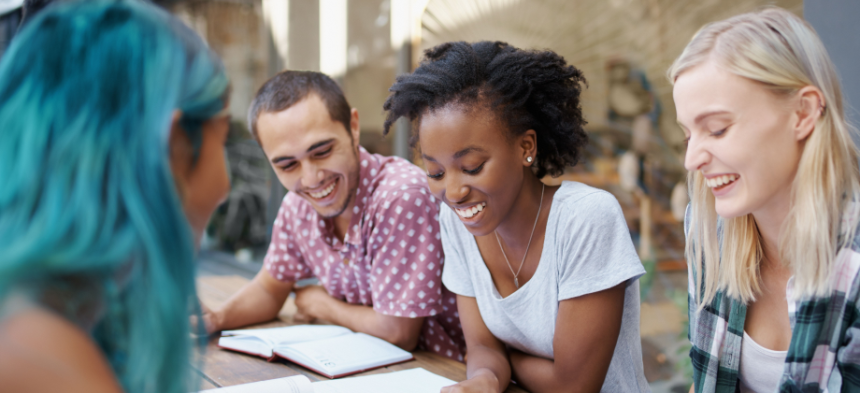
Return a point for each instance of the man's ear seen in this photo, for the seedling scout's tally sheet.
(354, 127)
(528, 144)
(810, 108)
(181, 153)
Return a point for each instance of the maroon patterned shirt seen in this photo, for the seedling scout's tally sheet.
(391, 257)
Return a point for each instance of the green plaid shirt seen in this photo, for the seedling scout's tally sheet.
(824, 354)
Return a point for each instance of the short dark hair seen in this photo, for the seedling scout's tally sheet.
(524, 89)
(289, 87)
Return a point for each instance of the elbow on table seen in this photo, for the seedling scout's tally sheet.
(407, 341)
(575, 382)
(402, 332)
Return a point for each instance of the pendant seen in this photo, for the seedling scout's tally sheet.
(517, 283)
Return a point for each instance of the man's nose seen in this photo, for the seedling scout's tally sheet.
(312, 175)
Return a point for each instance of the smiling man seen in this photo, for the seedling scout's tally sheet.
(363, 224)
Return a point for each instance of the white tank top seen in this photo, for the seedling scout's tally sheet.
(761, 368)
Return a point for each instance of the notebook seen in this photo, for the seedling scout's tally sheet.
(332, 351)
(416, 380)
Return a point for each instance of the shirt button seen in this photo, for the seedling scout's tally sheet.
(346, 261)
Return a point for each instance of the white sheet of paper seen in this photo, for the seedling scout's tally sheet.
(294, 384)
(416, 380)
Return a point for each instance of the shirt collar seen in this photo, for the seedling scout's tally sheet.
(368, 169)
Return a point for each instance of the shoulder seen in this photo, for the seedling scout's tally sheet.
(399, 183)
(389, 174)
(293, 206)
(41, 351)
(576, 201)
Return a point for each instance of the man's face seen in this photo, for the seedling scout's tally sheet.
(313, 155)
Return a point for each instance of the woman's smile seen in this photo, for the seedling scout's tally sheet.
(471, 213)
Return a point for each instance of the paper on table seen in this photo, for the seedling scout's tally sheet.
(416, 380)
(294, 384)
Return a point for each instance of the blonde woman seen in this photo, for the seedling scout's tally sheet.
(771, 227)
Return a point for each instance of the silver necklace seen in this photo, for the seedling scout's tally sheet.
(516, 281)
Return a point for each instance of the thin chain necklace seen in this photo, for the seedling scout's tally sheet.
(516, 281)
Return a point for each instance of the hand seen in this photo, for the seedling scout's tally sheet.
(209, 320)
(311, 303)
(481, 383)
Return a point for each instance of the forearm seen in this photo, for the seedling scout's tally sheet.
(254, 303)
(402, 332)
(540, 375)
(582, 354)
(486, 362)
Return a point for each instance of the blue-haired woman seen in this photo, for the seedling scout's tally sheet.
(111, 162)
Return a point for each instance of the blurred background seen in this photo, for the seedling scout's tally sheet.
(624, 48)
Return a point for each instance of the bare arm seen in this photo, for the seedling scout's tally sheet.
(259, 301)
(42, 352)
(488, 368)
(315, 302)
(586, 332)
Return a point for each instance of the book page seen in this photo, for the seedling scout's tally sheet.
(344, 354)
(290, 334)
(416, 380)
(261, 341)
(246, 344)
(294, 384)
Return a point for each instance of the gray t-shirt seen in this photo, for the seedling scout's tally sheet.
(587, 248)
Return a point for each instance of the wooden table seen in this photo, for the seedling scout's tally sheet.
(226, 368)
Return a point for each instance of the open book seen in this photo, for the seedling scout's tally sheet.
(332, 351)
(416, 380)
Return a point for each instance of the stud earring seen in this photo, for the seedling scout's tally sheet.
(529, 159)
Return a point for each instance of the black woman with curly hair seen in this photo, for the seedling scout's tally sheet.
(546, 277)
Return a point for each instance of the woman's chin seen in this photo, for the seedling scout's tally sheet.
(727, 211)
(480, 230)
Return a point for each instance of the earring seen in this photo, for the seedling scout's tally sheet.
(529, 159)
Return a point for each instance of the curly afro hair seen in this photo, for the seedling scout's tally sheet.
(524, 89)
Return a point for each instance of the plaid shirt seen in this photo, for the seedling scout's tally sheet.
(824, 354)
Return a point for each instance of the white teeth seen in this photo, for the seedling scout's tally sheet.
(720, 180)
(324, 193)
(470, 212)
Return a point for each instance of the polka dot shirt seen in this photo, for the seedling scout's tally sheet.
(391, 257)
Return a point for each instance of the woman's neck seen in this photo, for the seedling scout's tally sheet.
(769, 220)
(515, 229)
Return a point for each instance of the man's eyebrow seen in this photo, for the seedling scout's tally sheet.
(310, 149)
(320, 144)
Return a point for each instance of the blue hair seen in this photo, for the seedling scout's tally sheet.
(87, 94)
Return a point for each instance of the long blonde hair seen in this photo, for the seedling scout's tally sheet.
(782, 52)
